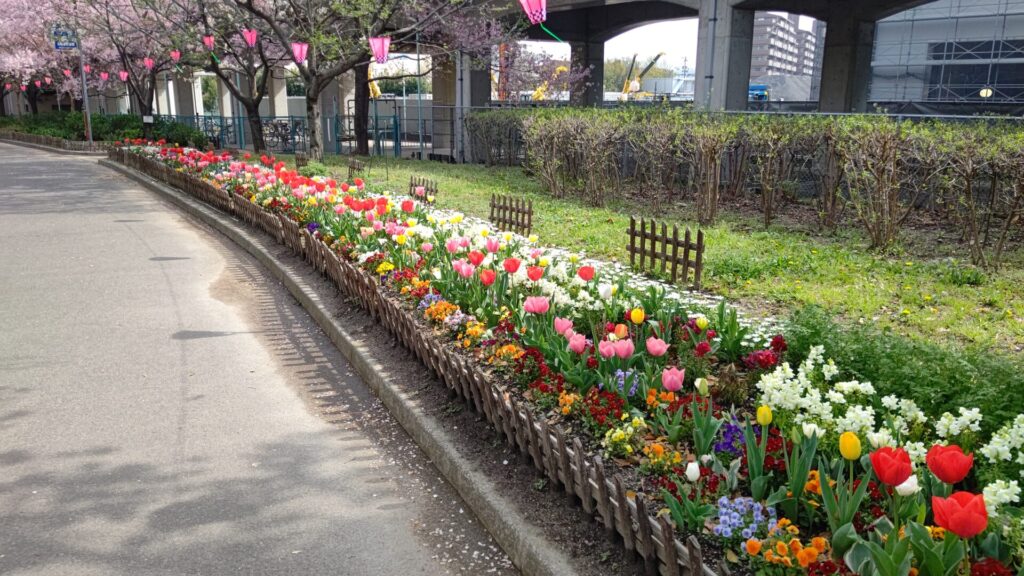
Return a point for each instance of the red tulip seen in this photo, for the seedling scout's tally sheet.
(892, 465)
(511, 265)
(586, 273)
(949, 463)
(407, 206)
(534, 273)
(962, 513)
(476, 257)
(487, 277)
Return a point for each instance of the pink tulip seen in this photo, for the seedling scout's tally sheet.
(672, 379)
(463, 242)
(536, 305)
(467, 270)
(426, 247)
(568, 334)
(624, 348)
(578, 343)
(562, 324)
(377, 226)
(493, 245)
(606, 349)
(339, 209)
(656, 346)
(452, 246)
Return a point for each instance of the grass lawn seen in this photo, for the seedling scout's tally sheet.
(918, 290)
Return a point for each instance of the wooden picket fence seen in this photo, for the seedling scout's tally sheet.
(664, 253)
(583, 477)
(512, 214)
(429, 188)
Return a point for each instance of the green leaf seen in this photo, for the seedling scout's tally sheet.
(844, 538)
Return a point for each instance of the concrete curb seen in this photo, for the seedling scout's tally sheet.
(52, 149)
(525, 544)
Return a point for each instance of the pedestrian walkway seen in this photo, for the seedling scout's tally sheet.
(167, 409)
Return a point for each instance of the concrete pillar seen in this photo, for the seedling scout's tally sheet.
(846, 65)
(724, 40)
(277, 92)
(586, 55)
(225, 100)
(442, 129)
(184, 97)
(165, 100)
(197, 96)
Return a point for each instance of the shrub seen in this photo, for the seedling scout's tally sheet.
(939, 378)
(314, 169)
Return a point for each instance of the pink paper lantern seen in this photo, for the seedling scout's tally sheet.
(104, 76)
(23, 87)
(67, 73)
(48, 80)
(299, 50)
(7, 86)
(208, 42)
(380, 45)
(87, 68)
(148, 63)
(175, 55)
(38, 83)
(123, 74)
(250, 37)
(536, 10)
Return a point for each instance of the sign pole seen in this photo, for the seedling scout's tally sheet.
(85, 94)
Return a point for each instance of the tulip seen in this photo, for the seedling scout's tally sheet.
(963, 513)
(463, 242)
(702, 349)
(586, 273)
(636, 315)
(693, 471)
(909, 486)
(656, 346)
(949, 463)
(892, 465)
(811, 429)
(578, 343)
(467, 270)
(606, 291)
(764, 415)
(606, 349)
(534, 273)
(623, 348)
(849, 445)
(493, 245)
(426, 247)
(562, 325)
(476, 257)
(536, 305)
(701, 322)
(511, 265)
(408, 206)
(701, 385)
(672, 379)
(487, 277)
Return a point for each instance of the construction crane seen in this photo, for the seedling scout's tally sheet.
(631, 85)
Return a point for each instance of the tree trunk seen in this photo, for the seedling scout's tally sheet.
(33, 99)
(361, 110)
(3, 103)
(252, 112)
(316, 137)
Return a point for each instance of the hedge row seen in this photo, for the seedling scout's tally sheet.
(874, 169)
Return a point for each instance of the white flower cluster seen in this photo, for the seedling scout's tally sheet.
(853, 387)
(1000, 493)
(1006, 443)
(949, 426)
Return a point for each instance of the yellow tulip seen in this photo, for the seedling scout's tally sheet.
(849, 445)
(400, 240)
(636, 315)
(702, 322)
(764, 415)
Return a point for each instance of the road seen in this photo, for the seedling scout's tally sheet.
(166, 408)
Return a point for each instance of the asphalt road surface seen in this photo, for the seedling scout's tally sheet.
(167, 409)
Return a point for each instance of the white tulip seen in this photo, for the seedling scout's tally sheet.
(692, 472)
(605, 290)
(909, 486)
(812, 429)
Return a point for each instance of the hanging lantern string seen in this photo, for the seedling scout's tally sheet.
(552, 34)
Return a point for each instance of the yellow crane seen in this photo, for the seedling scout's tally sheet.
(631, 85)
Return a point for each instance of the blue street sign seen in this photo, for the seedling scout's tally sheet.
(64, 38)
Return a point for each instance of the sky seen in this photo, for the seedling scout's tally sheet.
(676, 38)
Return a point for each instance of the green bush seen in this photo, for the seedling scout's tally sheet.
(314, 169)
(70, 125)
(177, 133)
(939, 378)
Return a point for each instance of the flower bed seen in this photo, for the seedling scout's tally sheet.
(616, 388)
